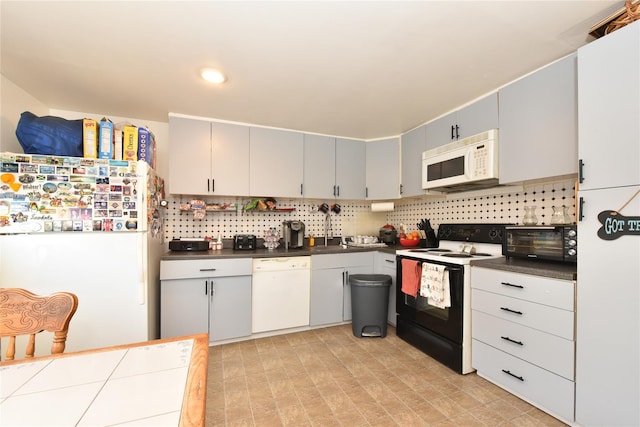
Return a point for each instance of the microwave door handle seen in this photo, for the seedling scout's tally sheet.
(468, 154)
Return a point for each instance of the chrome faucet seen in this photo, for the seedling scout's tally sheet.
(328, 233)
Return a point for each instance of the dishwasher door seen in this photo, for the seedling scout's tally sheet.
(281, 289)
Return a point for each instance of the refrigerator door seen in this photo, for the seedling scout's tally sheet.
(109, 272)
(608, 315)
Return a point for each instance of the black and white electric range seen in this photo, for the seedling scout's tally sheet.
(445, 333)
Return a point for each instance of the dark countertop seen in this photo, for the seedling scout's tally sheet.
(538, 268)
(228, 252)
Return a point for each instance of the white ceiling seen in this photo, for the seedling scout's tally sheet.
(350, 68)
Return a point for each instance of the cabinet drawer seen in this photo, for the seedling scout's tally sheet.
(341, 260)
(544, 318)
(547, 351)
(544, 389)
(543, 290)
(205, 268)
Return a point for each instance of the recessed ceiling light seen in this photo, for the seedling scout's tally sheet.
(213, 76)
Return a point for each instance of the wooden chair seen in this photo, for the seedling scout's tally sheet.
(22, 313)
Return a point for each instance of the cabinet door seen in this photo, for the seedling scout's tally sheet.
(383, 173)
(538, 124)
(475, 118)
(609, 100)
(413, 144)
(478, 117)
(350, 169)
(319, 166)
(230, 158)
(439, 132)
(184, 307)
(327, 294)
(607, 312)
(276, 158)
(230, 310)
(189, 156)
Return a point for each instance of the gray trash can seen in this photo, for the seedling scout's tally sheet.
(369, 304)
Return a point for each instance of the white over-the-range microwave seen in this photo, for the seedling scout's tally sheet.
(470, 163)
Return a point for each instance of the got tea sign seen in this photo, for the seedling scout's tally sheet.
(615, 225)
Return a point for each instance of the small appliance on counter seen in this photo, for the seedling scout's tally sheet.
(293, 234)
(182, 245)
(244, 242)
(547, 243)
(388, 234)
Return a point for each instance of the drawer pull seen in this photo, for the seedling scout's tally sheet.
(207, 269)
(513, 375)
(390, 261)
(513, 341)
(511, 311)
(512, 285)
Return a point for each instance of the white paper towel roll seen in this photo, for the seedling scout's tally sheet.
(382, 207)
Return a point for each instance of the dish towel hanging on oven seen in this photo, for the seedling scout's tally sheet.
(434, 285)
(411, 277)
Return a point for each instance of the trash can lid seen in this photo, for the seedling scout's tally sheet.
(370, 279)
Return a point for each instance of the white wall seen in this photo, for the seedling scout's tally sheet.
(13, 102)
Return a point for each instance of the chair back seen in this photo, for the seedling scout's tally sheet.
(25, 313)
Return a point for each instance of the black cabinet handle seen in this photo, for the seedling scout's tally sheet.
(208, 185)
(207, 269)
(580, 174)
(512, 285)
(338, 192)
(213, 185)
(511, 311)
(334, 190)
(301, 189)
(452, 135)
(580, 209)
(513, 375)
(401, 189)
(457, 133)
(366, 191)
(513, 341)
(206, 287)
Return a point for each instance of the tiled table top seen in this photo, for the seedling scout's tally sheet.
(143, 385)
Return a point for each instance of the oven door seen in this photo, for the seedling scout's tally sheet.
(446, 322)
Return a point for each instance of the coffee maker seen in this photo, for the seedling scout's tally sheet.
(293, 234)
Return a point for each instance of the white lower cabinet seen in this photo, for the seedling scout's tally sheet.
(206, 296)
(523, 330)
(330, 290)
(386, 264)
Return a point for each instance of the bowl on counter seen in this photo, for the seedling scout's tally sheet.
(409, 243)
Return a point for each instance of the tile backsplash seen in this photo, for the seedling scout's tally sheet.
(356, 218)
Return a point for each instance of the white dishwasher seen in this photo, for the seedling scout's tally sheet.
(280, 292)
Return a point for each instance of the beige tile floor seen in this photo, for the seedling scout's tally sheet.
(328, 377)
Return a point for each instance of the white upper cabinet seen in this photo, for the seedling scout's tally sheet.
(538, 124)
(276, 162)
(609, 109)
(208, 158)
(319, 166)
(350, 169)
(412, 144)
(473, 119)
(383, 174)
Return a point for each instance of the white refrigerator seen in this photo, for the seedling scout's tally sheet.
(91, 227)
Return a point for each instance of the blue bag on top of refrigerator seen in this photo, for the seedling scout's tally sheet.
(50, 135)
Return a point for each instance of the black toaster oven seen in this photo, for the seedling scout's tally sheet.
(548, 243)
